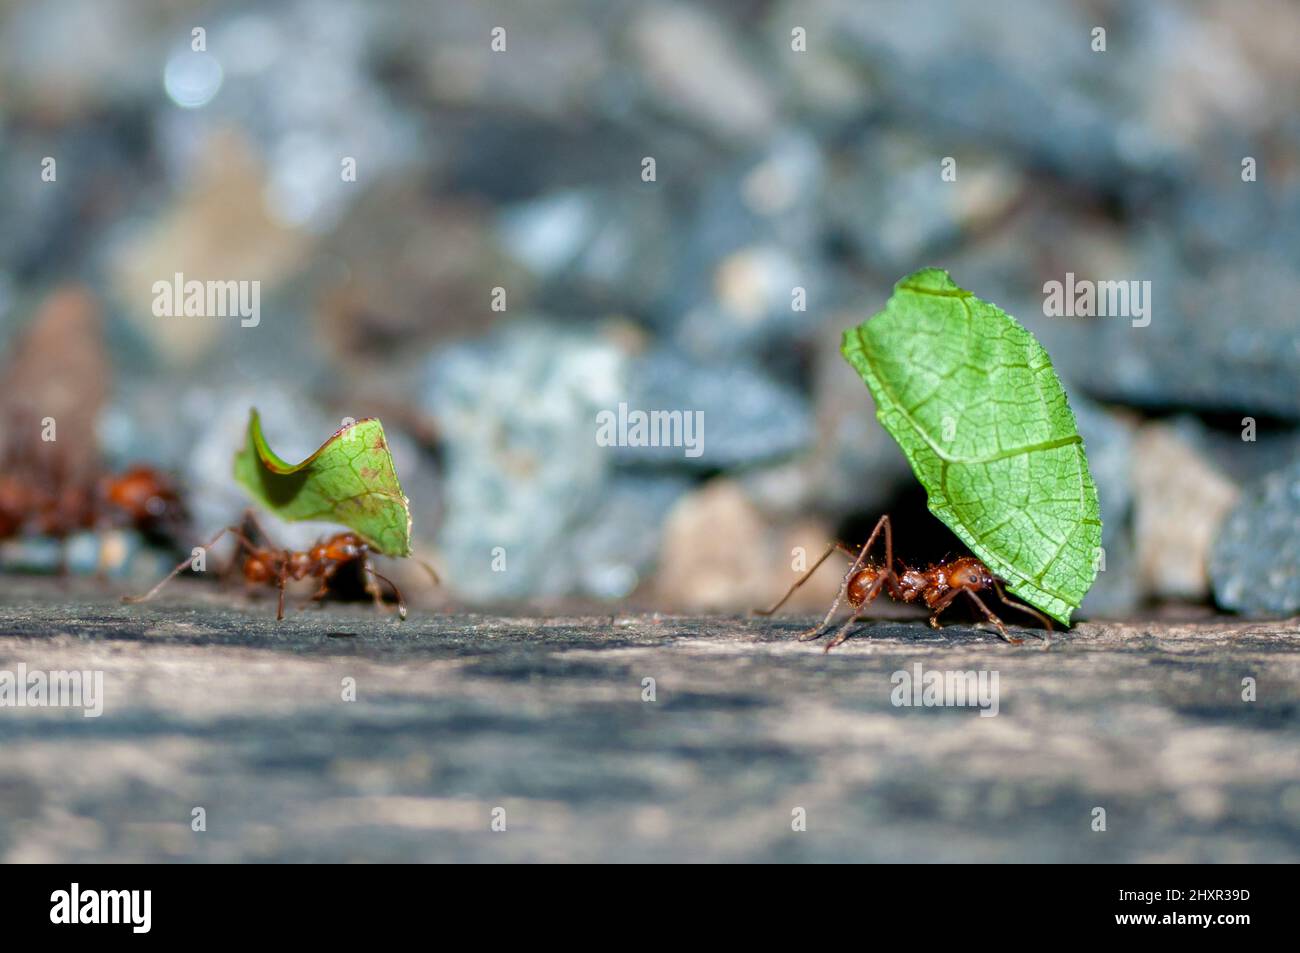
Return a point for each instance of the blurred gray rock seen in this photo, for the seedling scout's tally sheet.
(887, 197)
(523, 470)
(1248, 449)
(404, 272)
(67, 59)
(112, 554)
(751, 277)
(55, 227)
(1108, 441)
(554, 65)
(721, 91)
(617, 546)
(297, 79)
(1255, 562)
(747, 416)
(1180, 499)
(955, 72)
(1220, 338)
(593, 250)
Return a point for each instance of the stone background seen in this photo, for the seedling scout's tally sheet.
(777, 168)
(817, 168)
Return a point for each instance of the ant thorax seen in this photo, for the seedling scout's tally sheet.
(912, 584)
(300, 565)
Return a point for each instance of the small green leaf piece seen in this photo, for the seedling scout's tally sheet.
(350, 480)
(976, 407)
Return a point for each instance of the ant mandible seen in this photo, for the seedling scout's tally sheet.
(274, 566)
(938, 586)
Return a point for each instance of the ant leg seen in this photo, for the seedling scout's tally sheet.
(802, 579)
(185, 562)
(843, 633)
(101, 567)
(283, 580)
(848, 577)
(944, 603)
(249, 516)
(401, 603)
(244, 543)
(326, 576)
(887, 572)
(988, 613)
(1024, 608)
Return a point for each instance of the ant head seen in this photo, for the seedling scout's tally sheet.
(969, 573)
(150, 498)
(342, 547)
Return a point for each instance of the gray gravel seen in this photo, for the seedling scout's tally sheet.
(1255, 558)
(210, 703)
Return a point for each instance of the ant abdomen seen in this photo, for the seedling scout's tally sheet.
(862, 587)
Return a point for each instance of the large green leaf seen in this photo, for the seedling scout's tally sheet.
(349, 480)
(973, 401)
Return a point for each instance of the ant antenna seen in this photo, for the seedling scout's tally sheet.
(429, 569)
(401, 603)
(1024, 608)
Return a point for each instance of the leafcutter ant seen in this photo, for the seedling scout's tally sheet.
(43, 503)
(272, 566)
(938, 586)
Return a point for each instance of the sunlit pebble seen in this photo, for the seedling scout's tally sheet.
(613, 582)
(191, 79)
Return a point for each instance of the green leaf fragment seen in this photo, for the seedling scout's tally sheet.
(977, 409)
(349, 480)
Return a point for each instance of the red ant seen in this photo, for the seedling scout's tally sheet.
(936, 586)
(46, 505)
(273, 566)
(147, 499)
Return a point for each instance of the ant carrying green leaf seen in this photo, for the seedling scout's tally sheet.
(276, 567)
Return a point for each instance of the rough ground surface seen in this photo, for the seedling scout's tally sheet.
(215, 705)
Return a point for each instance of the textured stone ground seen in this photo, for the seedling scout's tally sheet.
(210, 702)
